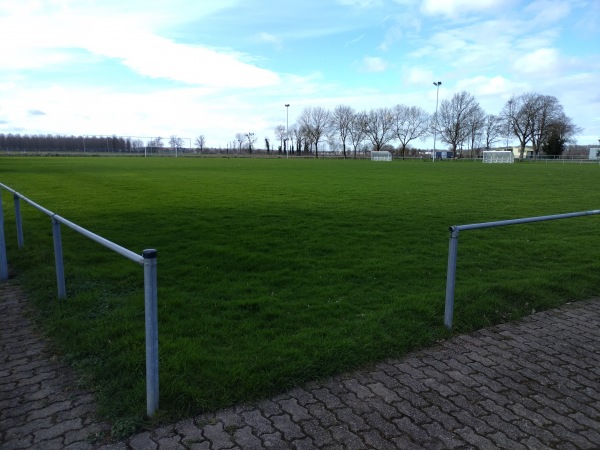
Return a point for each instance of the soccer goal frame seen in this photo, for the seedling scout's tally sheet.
(498, 156)
(381, 156)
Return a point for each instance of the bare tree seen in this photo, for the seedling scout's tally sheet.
(410, 123)
(551, 121)
(240, 139)
(492, 130)
(296, 133)
(379, 127)
(341, 122)
(315, 122)
(453, 119)
(267, 144)
(475, 128)
(280, 134)
(357, 130)
(200, 142)
(156, 143)
(175, 141)
(251, 138)
(536, 118)
(519, 114)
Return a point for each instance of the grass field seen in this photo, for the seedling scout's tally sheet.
(276, 272)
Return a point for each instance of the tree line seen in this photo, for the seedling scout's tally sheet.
(460, 123)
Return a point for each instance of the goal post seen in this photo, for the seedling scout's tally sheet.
(498, 156)
(381, 156)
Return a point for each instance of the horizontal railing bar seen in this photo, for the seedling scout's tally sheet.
(500, 223)
(99, 239)
(102, 241)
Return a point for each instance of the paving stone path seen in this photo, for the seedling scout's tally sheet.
(534, 384)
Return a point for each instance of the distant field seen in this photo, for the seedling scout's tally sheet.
(276, 272)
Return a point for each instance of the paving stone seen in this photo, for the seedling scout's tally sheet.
(302, 396)
(56, 430)
(354, 422)
(48, 410)
(319, 435)
(385, 427)
(275, 441)
(142, 441)
(287, 427)
(303, 444)
(244, 438)
(331, 401)
(360, 390)
(344, 436)
(294, 409)
(479, 441)
(258, 422)
(446, 438)
(219, 438)
(530, 384)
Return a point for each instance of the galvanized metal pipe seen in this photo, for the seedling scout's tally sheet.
(99, 239)
(18, 220)
(453, 250)
(451, 277)
(151, 316)
(58, 260)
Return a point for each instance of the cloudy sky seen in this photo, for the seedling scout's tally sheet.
(216, 68)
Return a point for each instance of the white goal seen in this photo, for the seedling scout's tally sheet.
(498, 156)
(381, 156)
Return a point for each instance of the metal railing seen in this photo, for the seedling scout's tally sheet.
(147, 259)
(453, 250)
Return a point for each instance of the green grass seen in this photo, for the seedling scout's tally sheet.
(276, 272)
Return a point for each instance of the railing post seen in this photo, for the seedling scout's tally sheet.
(58, 259)
(19, 220)
(3, 259)
(451, 277)
(151, 308)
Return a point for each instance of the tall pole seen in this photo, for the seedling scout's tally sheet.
(508, 122)
(437, 97)
(287, 120)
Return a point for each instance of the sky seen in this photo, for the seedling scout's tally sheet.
(152, 68)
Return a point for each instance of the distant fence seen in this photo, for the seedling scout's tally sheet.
(453, 250)
(148, 260)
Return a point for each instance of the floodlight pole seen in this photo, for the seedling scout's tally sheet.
(437, 84)
(287, 120)
(508, 122)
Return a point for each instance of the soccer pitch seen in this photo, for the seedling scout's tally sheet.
(276, 272)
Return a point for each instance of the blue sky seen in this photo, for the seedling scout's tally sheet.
(216, 68)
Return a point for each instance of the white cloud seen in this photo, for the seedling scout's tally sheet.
(363, 4)
(126, 39)
(547, 12)
(542, 62)
(374, 64)
(455, 8)
(270, 39)
(419, 76)
(159, 57)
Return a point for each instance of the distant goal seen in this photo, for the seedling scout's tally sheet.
(498, 156)
(381, 156)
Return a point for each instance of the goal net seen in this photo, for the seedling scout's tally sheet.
(498, 156)
(381, 156)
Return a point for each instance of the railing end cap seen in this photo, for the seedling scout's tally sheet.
(149, 253)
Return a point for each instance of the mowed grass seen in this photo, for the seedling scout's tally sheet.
(272, 273)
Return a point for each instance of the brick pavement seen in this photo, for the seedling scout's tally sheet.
(534, 384)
